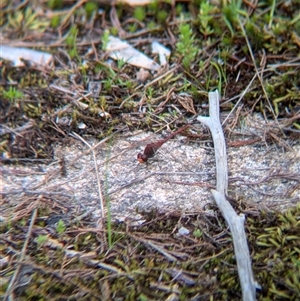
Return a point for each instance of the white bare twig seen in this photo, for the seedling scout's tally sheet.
(213, 123)
(235, 222)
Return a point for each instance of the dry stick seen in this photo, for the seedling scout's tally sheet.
(235, 222)
(155, 247)
(213, 122)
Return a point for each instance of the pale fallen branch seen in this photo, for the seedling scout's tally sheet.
(213, 123)
(241, 250)
(235, 222)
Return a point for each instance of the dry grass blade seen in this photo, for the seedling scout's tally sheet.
(9, 295)
(100, 193)
(258, 74)
(101, 222)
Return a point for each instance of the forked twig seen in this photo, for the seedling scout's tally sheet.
(235, 222)
(213, 123)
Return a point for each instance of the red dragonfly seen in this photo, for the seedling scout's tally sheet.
(152, 148)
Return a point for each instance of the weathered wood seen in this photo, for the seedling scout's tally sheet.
(235, 222)
(213, 123)
(241, 250)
